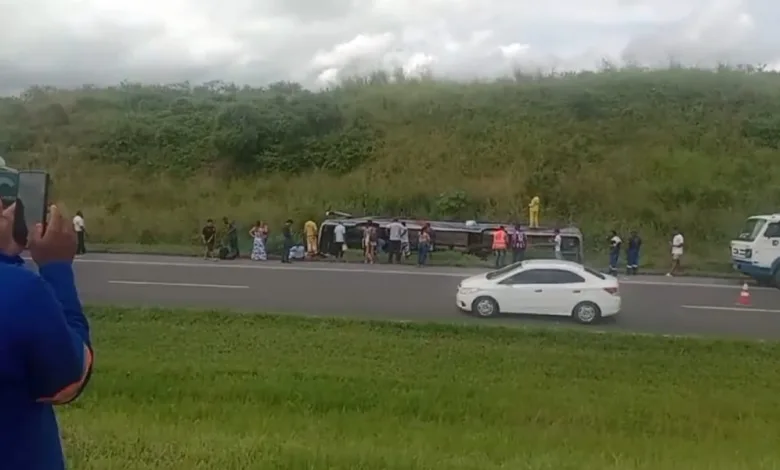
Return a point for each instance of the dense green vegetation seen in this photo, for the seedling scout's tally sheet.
(623, 149)
(182, 390)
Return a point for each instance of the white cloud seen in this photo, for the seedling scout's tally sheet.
(71, 42)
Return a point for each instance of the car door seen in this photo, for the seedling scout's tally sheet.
(561, 291)
(521, 292)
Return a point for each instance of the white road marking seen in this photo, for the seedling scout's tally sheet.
(269, 267)
(178, 284)
(732, 309)
(428, 271)
(692, 284)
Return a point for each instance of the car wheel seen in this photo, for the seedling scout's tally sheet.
(586, 312)
(777, 278)
(484, 307)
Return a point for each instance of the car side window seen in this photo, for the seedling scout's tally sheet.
(529, 276)
(544, 276)
(772, 230)
(560, 276)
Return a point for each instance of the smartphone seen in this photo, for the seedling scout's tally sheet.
(34, 194)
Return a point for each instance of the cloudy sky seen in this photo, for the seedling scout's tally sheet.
(73, 42)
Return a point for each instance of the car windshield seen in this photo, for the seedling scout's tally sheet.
(504, 270)
(751, 229)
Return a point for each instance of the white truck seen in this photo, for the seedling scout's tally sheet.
(756, 251)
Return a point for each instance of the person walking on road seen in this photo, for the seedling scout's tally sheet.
(394, 230)
(632, 253)
(614, 252)
(79, 227)
(678, 245)
(499, 245)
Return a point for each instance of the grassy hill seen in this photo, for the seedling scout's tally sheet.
(626, 149)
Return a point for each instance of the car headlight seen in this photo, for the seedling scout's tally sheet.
(468, 290)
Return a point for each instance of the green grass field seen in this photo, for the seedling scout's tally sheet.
(620, 149)
(181, 390)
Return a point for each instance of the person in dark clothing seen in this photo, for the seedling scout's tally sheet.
(518, 242)
(231, 239)
(288, 241)
(632, 253)
(209, 238)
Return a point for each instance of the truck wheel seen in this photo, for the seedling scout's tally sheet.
(777, 278)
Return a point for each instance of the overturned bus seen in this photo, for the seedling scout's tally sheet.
(474, 238)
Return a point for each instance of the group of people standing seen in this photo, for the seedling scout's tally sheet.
(228, 247)
(259, 234)
(634, 247)
(398, 246)
(514, 240)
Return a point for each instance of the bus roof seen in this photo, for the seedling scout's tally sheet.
(452, 226)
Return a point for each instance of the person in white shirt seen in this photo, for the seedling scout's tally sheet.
(678, 244)
(614, 252)
(394, 230)
(78, 226)
(339, 240)
(558, 241)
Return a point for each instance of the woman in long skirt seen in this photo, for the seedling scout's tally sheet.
(259, 234)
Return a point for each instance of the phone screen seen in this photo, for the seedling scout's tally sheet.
(34, 194)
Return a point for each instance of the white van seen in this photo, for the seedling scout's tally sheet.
(756, 251)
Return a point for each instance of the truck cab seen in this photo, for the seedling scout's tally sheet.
(756, 250)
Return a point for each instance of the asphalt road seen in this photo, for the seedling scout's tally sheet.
(689, 306)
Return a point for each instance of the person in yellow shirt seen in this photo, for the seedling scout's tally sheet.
(310, 230)
(533, 212)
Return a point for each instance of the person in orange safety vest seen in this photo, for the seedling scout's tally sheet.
(500, 240)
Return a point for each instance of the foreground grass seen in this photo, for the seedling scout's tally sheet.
(184, 390)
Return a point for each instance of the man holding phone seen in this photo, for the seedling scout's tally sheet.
(45, 348)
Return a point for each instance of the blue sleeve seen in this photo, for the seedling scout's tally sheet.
(58, 350)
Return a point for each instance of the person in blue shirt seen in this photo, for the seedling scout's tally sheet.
(45, 350)
(632, 253)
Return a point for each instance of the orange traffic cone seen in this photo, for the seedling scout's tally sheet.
(744, 296)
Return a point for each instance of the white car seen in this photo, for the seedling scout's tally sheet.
(541, 287)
